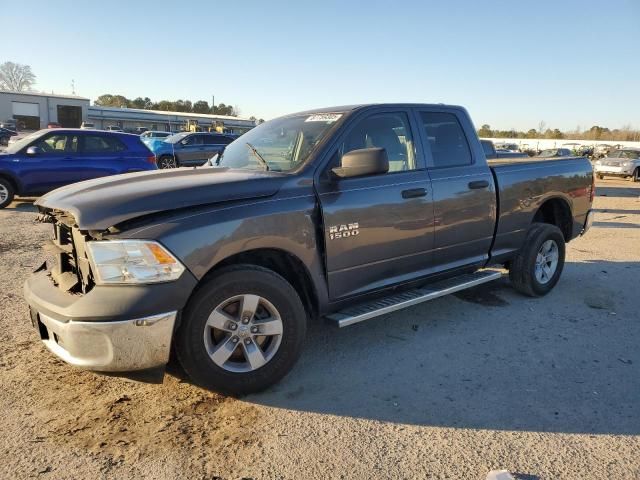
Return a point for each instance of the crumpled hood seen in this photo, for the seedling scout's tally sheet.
(104, 202)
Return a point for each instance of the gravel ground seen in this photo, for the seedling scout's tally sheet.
(545, 388)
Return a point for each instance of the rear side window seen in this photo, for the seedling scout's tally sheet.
(194, 140)
(102, 144)
(447, 141)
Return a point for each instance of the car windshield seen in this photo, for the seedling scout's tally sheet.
(23, 142)
(279, 145)
(631, 154)
(548, 153)
(176, 138)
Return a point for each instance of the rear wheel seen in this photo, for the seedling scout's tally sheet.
(636, 175)
(6, 192)
(242, 331)
(167, 161)
(537, 267)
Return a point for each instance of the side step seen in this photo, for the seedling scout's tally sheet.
(398, 301)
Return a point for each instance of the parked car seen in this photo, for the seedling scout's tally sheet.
(155, 134)
(623, 162)
(347, 213)
(114, 128)
(5, 135)
(188, 149)
(87, 126)
(53, 125)
(554, 153)
(141, 130)
(9, 125)
(48, 159)
(491, 153)
(507, 147)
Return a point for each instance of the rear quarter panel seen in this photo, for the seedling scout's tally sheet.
(525, 185)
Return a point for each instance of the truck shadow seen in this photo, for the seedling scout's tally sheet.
(568, 362)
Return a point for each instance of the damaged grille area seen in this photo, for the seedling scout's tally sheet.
(71, 271)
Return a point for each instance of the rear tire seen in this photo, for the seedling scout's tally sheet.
(537, 267)
(219, 342)
(7, 192)
(636, 175)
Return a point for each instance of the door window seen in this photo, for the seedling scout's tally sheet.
(385, 130)
(102, 144)
(58, 143)
(448, 143)
(193, 140)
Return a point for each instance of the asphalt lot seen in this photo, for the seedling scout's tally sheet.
(546, 388)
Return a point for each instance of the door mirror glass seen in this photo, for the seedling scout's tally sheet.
(34, 151)
(365, 161)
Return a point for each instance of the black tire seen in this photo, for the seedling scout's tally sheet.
(522, 271)
(6, 188)
(228, 283)
(636, 175)
(600, 177)
(167, 161)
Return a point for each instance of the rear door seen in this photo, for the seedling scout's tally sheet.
(215, 144)
(101, 155)
(378, 229)
(464, 197)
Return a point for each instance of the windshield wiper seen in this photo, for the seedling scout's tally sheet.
(262, 161)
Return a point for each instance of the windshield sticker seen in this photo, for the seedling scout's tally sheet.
(323, 117)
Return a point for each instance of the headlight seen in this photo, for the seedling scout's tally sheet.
(132, 261)
(625, 164)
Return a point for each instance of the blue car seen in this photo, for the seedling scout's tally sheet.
(52, 158)
(188, 148)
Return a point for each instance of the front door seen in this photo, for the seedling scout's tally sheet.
(378, 229)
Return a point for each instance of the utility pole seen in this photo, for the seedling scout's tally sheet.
(73, 87)
(213, 102)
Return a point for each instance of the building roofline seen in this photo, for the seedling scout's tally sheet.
(44, 94)
(171, 113)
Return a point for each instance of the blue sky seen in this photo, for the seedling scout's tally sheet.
(511, 63)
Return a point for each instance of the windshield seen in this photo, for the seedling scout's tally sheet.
(23, 142)
(279, 145)
(548, 153)
(176, 138)
(632, 154)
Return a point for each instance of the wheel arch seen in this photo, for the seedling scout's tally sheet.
(17, 187)
(556, 211)
(284, 263)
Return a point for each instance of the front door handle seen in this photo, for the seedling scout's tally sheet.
(414, 193)
(478, 184)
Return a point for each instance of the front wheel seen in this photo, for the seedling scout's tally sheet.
(242, 331)
(167, 161)
(536, 268)
(636, 175)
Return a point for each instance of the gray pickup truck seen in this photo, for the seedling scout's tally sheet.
(344, 213)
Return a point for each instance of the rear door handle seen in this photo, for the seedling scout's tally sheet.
(414, 193)
(478, 184)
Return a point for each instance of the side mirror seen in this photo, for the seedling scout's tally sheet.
(34, 151)
(366, 161)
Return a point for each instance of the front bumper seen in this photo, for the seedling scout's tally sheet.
(110, 328)
(122, 346)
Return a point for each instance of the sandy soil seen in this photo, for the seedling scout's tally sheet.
(545, 388)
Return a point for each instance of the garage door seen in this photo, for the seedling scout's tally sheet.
(26, 109)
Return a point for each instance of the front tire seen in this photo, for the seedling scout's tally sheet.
(167, 161)
(242, 331)
(537, 267)
(636, 175)
(7, 192)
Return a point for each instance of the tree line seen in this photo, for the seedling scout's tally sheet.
(187, 106)
(625, 134)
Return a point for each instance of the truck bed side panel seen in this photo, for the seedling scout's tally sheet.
(524, 186)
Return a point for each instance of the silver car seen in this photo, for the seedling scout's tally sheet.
(624, 162)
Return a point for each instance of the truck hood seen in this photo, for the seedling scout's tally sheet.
(104, 202)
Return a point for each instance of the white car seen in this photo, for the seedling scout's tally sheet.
(624, 162)
(114, 128)
(88, 126)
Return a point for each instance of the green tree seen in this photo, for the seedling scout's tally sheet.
(485, 131)
(201, 106)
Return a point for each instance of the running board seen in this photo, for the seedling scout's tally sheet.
(398, 301)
